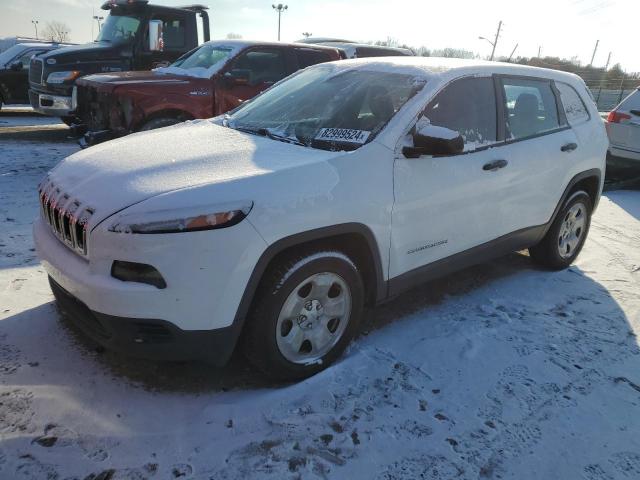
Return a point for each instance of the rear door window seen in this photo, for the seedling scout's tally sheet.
(467, 106)
(308, 56)
(574, 108)
(530, 107)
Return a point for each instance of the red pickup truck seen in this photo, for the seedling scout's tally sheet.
(208, 81)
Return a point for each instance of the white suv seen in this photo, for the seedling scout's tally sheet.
(341, 186)
(623, 128)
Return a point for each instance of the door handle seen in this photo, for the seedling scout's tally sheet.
(569, 147)
(495, 165)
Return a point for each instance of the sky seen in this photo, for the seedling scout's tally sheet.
(564, 28)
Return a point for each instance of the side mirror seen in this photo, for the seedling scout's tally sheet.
(156, 42)
(238, 76)
(433, 140)
(16, 66)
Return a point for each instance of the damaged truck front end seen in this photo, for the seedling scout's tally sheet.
(111, 106)
(104, 114)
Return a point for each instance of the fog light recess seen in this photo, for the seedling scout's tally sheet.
(137, 272)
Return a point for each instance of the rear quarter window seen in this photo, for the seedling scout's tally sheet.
(574, 107)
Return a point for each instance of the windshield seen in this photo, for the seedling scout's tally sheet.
(11, 53)
(119, 29)
(327, 109)
(203, 62)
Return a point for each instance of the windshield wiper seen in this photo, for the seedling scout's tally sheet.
(282, 138)
(265, 132)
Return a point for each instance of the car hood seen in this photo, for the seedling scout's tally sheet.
(106, 82)
(114, 175)
(84, 53)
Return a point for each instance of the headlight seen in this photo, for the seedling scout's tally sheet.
(179, 221)
(61, 77)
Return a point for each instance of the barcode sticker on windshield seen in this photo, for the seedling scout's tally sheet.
(343, 135)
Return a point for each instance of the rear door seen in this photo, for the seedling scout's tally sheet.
(624, 132)
(261, 67)
(541, 148)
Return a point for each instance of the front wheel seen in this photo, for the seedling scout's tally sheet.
(68, 121)
(566, 236)
(306, 311)
(159, 123)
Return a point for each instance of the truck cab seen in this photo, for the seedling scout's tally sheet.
(135, 36)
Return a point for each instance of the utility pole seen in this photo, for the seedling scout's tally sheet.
(35, 24)
(539, 50)
(513, 51)
(280, 8)
(604, 74)
(495, 42)
(594, 53)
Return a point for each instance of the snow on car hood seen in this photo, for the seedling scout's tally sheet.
(120, 173)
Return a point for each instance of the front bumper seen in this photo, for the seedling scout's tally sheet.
(54, 105)
(206, 274)
(146, 338)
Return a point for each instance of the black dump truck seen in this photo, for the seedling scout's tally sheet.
(135, 36)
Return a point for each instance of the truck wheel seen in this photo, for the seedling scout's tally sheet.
(306, 311)
(566, 236)
(159, 123)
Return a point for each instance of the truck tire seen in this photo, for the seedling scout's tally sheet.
(159, 123)
(306, 310)
(68, 121)
(567, 234)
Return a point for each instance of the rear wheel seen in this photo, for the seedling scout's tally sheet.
(566, 236)
(306, 311)
(159, 123)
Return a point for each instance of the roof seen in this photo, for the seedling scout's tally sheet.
(42, 44)
(236, 44)
(430, 66)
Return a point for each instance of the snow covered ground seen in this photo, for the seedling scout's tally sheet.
(500, 371)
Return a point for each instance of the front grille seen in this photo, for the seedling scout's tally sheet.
(93, 108)
(35, 71)
(66, 216)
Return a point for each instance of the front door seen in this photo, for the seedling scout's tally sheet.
(16, 82)
(448, 204)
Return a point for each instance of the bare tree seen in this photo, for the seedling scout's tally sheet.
(234, 36)
(56, 31)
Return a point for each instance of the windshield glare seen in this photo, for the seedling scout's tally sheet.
(119, 29)
(325, 108)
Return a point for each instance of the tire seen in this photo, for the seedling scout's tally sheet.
(159, 123)
(289, 335)
(567, 234)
